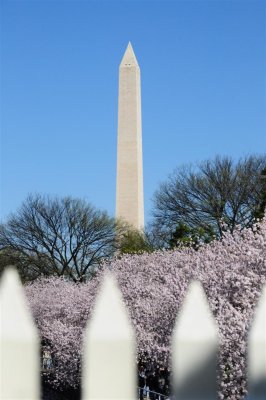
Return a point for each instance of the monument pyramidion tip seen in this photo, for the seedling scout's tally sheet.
(129, 59)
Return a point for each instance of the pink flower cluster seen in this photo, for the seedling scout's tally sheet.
(232, 272)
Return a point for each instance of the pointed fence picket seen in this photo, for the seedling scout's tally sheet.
(195, 348)
(109, 347)
(257, 352)
(19, 346)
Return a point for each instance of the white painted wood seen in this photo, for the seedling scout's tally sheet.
(194, 348)
(257, 352)
(109, 364)
(19, 347)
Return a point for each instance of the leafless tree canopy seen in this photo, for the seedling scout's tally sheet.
(57, 236)
(210, 195)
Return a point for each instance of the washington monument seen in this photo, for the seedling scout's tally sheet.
(129, 179)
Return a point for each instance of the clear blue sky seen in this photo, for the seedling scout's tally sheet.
(203, 91)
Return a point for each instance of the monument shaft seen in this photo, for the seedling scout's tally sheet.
(129, 184)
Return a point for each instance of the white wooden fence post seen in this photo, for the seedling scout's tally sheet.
(19, 352)
(109, 363)
(195, 348)
(257, 352)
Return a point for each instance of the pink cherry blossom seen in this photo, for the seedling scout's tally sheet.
(232, 272)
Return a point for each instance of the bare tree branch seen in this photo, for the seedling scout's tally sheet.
(57, 236)
(211, 196)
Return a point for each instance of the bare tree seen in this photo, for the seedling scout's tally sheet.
(213, 195)
(57, 236)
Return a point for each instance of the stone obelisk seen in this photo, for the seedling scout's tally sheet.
(129, 180)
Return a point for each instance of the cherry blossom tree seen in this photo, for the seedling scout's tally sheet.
(232, 272)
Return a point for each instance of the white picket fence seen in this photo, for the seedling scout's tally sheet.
(109, 362)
